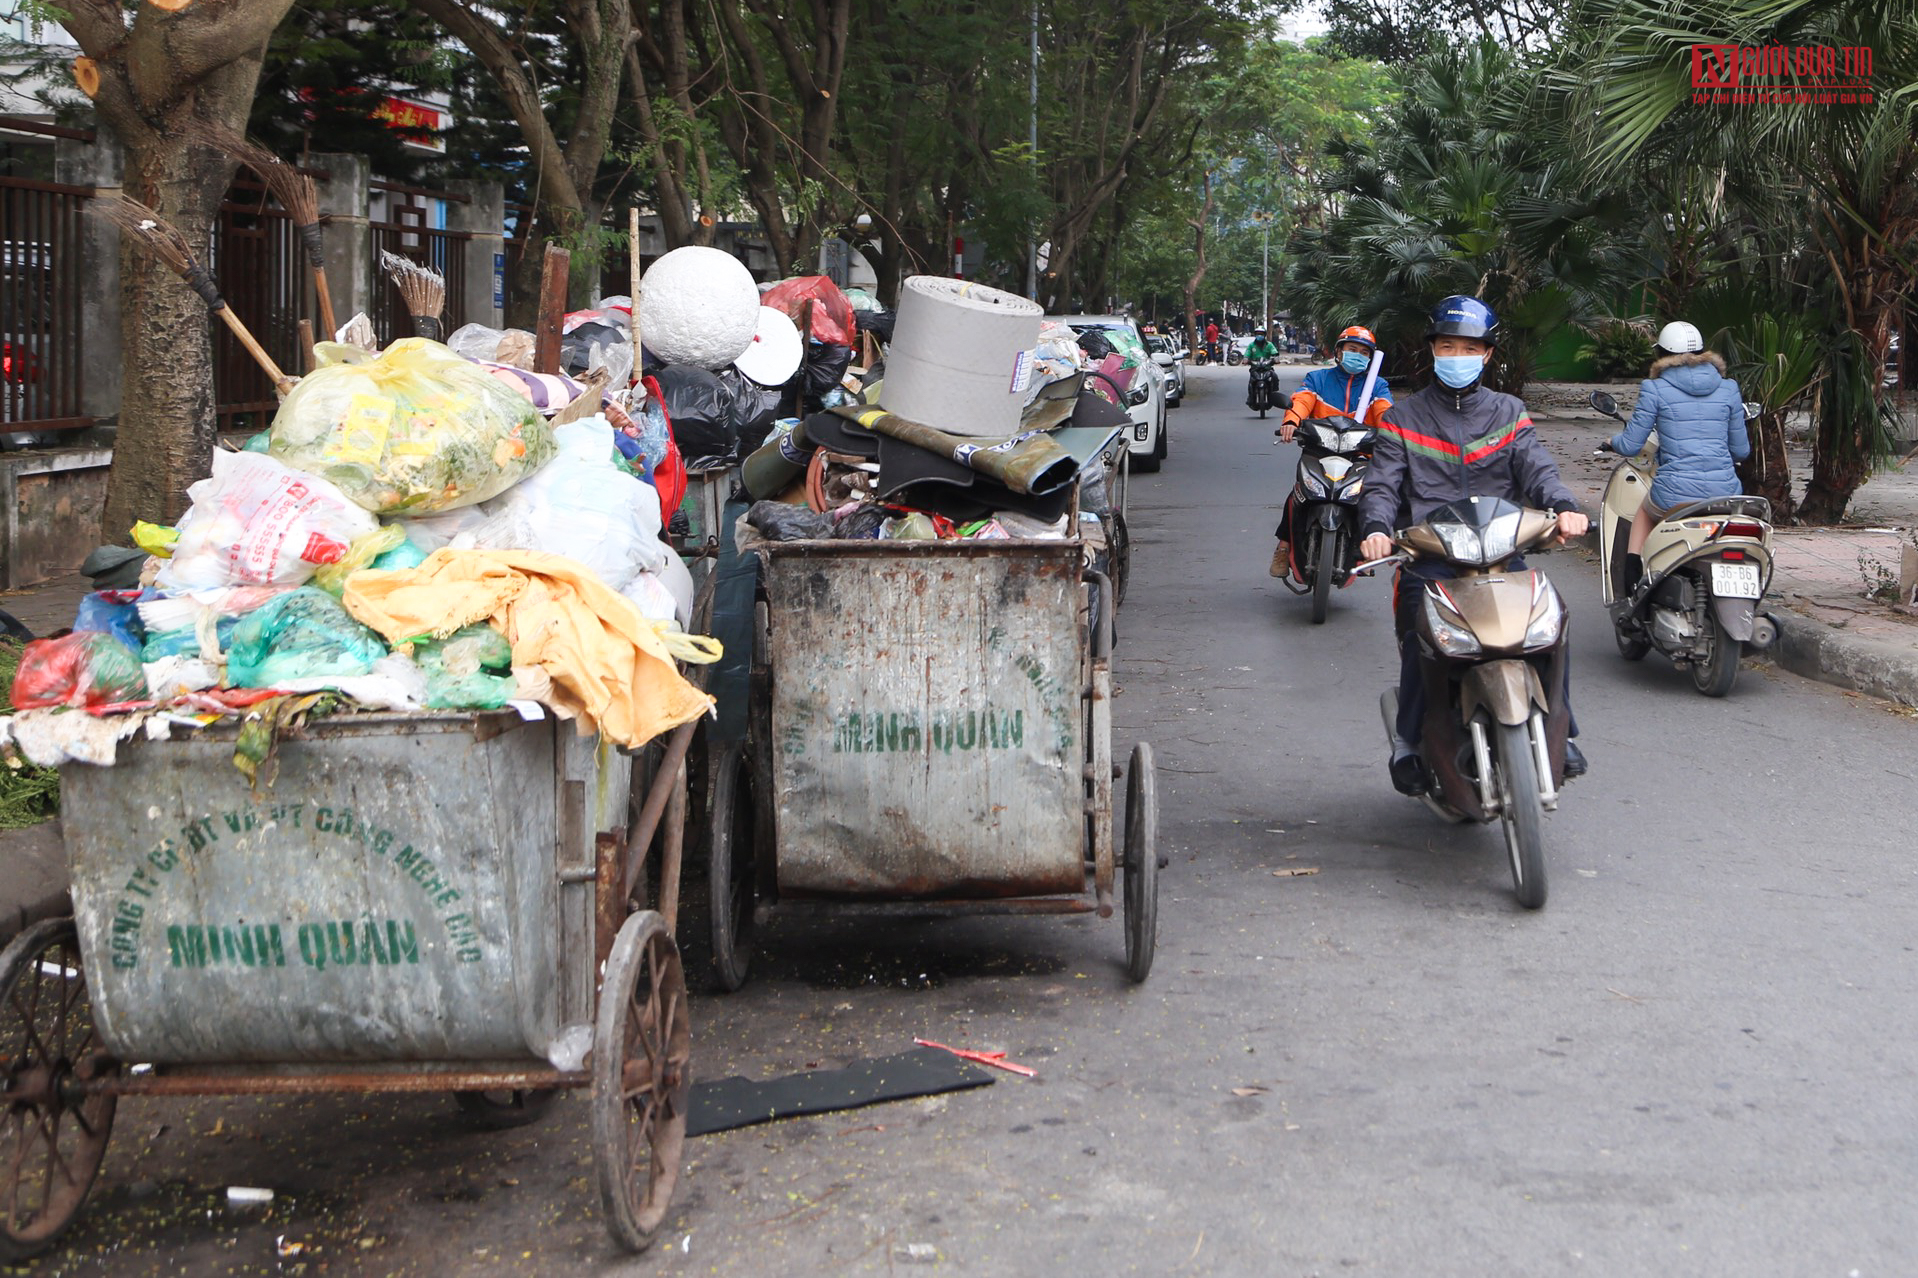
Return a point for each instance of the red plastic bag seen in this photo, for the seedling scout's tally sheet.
(89, 668)
(831, 311)
(669, 473)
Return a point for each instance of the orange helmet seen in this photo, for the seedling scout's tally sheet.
(1360, 334)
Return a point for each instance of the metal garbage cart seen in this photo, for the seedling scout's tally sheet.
(426, 902)
(931, 731)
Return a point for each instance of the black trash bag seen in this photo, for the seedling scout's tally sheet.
(1095, 344)
(755, 408)
(781, 522)
(701, 407)
(878, 323)
(862, 524)
(826, 364)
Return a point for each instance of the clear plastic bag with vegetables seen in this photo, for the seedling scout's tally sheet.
(412, 430)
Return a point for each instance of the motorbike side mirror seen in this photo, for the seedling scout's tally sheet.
(1603, 403)
(1752, 410)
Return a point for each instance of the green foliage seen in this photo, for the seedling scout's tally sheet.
(1462, 188)
(1619, 350)
(28, 795)
(1807, 209)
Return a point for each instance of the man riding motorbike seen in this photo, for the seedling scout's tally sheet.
(1330, 392)
(1699, 415)
(1453, 439)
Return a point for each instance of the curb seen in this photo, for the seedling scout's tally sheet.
(33, 870)
(1829, 655)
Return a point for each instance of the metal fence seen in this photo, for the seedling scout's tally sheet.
(264, 276)
(40, 299)
(408, 232)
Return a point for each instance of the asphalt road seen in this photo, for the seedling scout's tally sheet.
(1698, 1059)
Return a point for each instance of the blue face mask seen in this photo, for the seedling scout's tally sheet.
(1458, 371)
(1355, 362)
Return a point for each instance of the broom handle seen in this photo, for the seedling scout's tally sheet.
(328, 324)
(281, 382)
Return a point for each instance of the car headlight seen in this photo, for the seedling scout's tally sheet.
(1138, 395)
(1454, 640)
(1548, 623)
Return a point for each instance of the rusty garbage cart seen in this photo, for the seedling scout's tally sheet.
(426, 902)
(931, 731)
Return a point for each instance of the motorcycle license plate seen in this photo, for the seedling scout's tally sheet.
(1735, 581)
(1139, 431)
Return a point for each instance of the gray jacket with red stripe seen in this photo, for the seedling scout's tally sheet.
(1440, 445)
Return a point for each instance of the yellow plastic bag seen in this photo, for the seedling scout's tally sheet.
(412, 430)
(364, 550)
(155, 539)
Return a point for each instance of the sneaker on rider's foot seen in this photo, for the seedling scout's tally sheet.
(1408, 775)
(1575, 764)
(1282, 561)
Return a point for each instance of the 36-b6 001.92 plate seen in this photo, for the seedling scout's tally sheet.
(1735, 581)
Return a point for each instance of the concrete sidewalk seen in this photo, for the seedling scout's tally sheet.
(1829, 629)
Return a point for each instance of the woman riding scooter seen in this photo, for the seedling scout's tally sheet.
(1331, 392)
(1699, 415)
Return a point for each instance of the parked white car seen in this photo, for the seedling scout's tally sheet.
(1145, 397)
(1169, 354)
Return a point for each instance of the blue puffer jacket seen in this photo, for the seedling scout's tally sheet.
(1700, 419)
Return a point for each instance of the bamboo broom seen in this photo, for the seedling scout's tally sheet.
(159, 237)
(297, 194)
(423, 289)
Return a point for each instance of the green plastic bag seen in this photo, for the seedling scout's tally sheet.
(470, 669)
(302, 634)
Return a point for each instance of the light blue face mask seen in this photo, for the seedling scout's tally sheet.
(1355, 362)
(1458, 371)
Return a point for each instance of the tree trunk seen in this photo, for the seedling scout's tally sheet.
(156, 72)
(1198, 268)
(1841, 462)
(167, 423)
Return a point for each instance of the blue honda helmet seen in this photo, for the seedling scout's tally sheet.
(1462, 316)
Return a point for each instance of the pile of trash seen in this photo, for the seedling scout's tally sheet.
(416, 531)
(857, 471)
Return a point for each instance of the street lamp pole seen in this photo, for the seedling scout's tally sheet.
(1265, 277)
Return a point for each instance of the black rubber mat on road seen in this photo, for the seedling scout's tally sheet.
(726, 1103)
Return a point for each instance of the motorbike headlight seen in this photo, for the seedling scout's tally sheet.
(1452, 638)
(1353, 487)
(1314, 481)
(1548, 619)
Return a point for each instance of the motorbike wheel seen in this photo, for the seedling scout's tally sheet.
(1714, 673)
(1323, 572)
(1521, 813)
(1632, 647)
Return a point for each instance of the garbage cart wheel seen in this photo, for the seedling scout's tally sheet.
(50, 1145)
(1141, 863)
(642, 1050)
(732, 866)
(498, 1111)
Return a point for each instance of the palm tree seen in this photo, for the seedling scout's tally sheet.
(1849, 168)
(1461, 191)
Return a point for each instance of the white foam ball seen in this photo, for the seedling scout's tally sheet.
(698, 306)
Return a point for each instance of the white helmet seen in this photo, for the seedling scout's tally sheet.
(1680, 338)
